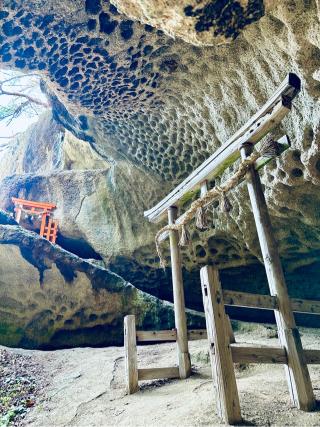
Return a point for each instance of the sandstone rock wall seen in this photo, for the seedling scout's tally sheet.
(154, 107)
(200, 22)
(50, 298)
(100, 203)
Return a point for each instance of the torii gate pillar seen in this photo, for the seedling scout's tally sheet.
(297, 370)
(178, 299)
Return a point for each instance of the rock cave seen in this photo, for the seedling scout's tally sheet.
(140, 93)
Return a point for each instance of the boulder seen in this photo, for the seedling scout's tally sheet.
(50, 298)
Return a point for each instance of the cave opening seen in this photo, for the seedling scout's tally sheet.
(78, 246)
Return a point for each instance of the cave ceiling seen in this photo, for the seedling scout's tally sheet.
(149, 95)
(162, 92)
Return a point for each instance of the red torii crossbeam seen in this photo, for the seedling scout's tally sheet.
(48, 228)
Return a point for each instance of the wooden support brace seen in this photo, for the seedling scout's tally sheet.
(168, 335)
(171, 334)
(245, 299)
(178, 299)
(297, 373)
(130, 345)
(305, 306)
(312, 357)
(227, 398)
(268, 302)
(158, 373)
(197, 334)
(258, 354)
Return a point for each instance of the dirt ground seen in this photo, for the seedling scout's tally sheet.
(85, 387)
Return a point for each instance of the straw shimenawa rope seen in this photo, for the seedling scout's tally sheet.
(270, 149)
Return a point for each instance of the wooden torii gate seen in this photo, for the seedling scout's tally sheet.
(223, 353)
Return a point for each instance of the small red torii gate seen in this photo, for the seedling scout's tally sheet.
(48, 228)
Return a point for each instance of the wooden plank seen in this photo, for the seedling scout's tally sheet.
(284, 143)
(297, 373)
(158, 373)
(248, 354)
(178, 300)
(305, 306)
(227, 398)
(244, 299)
(269, 355)
(130, 347)
(268, 302)
(167, 335)
(258, 126)
(258, 354)
(170, 335)
(197, 334)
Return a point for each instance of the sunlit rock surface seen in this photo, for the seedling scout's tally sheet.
(100, 202)
(152, 108)
(200, 22)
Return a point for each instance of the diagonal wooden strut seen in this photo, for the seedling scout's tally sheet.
(227, 398)
(297, 373)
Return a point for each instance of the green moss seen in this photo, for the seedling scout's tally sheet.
(150, 312)
(10, 335)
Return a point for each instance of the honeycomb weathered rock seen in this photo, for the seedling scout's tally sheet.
(50, 298)
(162, 105)
(200, 22)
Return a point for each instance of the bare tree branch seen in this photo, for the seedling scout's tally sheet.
(21, 89)
(22, 95)
(11, 136)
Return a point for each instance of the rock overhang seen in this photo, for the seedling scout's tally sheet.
(112, 77)
(199, 22)
(168, 105)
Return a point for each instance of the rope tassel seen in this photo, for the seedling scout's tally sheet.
(185, 237)
(269, 148)
(201, 219)
(163, 264)
(162, 260)
(225, 204)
